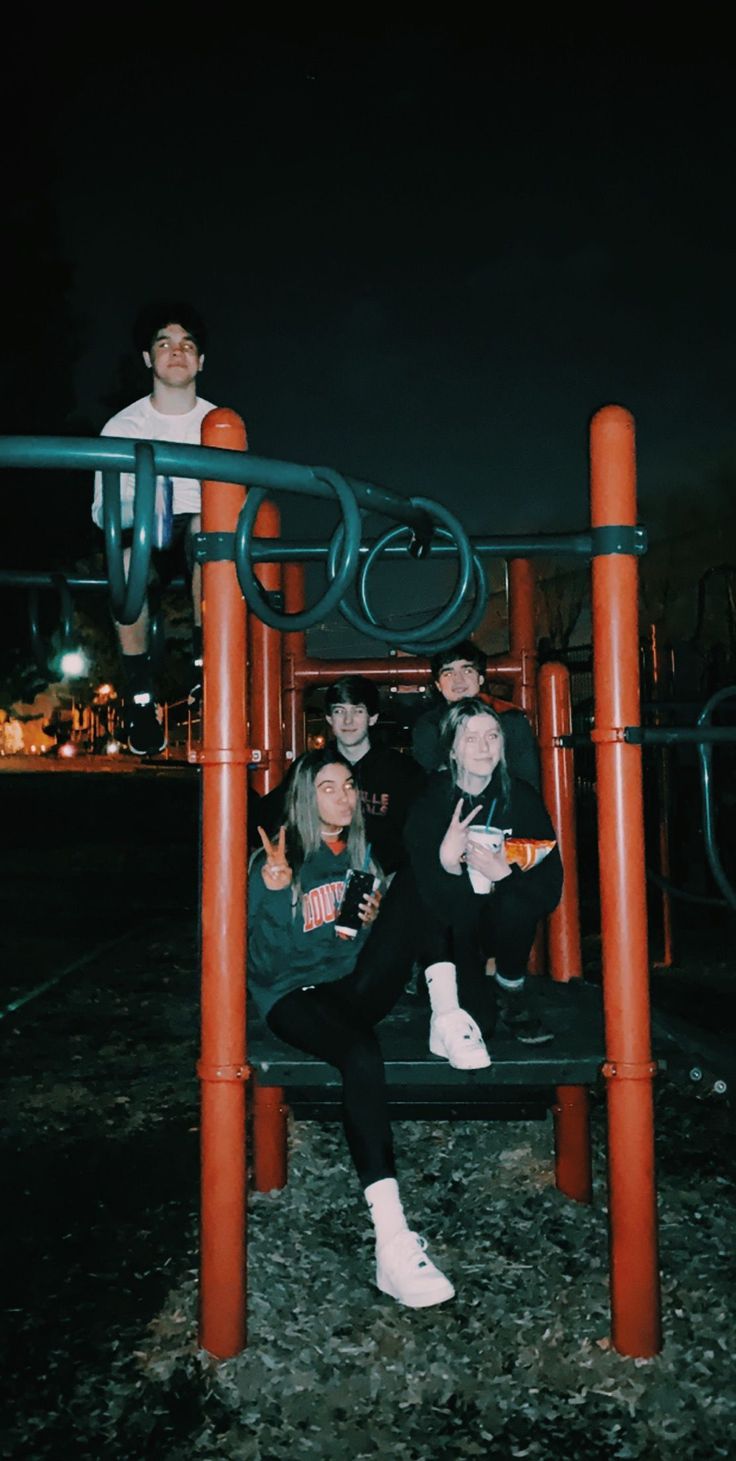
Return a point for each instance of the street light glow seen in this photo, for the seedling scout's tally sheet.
(73, 664)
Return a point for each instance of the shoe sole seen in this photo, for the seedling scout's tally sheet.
(423, 1301)
(480, 1062)
(533, 1039)
(152, 751)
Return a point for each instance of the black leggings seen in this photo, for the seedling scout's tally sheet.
(335, 1022)
(502, 925)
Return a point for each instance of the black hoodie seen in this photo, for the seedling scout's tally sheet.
(522, 814)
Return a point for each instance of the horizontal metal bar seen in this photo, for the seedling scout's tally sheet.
(645, 735)
(113, 453)
(672, 735)
(301, 551)
(204, 463)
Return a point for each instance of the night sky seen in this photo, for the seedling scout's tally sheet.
(425, 257)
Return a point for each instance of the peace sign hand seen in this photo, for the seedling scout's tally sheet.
(454, 842)
(275, 872)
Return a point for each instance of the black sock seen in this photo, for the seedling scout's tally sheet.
(137, 675)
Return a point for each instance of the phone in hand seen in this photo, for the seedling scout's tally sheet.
(357, 885)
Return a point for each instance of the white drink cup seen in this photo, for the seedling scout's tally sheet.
(493, 839)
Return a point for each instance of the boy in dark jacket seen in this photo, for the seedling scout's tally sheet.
(458, 672)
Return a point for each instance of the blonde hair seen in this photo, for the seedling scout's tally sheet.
(454, 720)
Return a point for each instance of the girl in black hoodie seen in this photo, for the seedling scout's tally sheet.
(464, 927)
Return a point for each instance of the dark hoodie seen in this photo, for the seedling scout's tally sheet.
(522, 814)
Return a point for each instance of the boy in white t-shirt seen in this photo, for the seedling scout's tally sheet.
(172, 339)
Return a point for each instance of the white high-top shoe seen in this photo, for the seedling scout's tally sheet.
(456, 1037)
(405, 1273)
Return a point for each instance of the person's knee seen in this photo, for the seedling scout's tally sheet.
(362, 1061)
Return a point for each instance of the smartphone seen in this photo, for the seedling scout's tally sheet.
(357, 884)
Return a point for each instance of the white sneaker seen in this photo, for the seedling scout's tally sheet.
(457, 1038)
(405, 1273)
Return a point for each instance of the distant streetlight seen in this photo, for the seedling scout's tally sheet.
(73, 664)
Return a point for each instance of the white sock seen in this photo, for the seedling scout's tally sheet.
(509, 983)
(385, 1208)
(442, 985)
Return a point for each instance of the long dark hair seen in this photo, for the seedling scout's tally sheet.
(453, 720)
(303, 830)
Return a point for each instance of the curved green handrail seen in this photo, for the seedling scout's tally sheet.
(113, 455)
(40, 652)
(705, 753)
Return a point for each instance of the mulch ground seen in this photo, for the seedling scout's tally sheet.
(100, 1152)
(100, 1147)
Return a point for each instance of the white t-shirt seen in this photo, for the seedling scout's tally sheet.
(145, 423)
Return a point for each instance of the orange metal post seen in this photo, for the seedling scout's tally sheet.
(629, 1068)
(222, 1068)
(523, 645)
(269, 1138)
(294, 649)
(522, 632)
(266, 734)
(558, 789)
(573, 1167)
(573, 1172)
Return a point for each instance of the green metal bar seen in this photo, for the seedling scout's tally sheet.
(301, 550)
(679, 735)
(705, 756)
(116, 454)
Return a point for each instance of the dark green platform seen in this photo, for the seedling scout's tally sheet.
(519, 1076)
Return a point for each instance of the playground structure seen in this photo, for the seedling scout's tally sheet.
(256, 720)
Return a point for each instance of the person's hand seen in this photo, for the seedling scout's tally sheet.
(275, 872)
(483, 859)
(368, 909)
(453, 844)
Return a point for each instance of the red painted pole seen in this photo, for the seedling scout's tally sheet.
(294, 650)
(573, 1168)
(522, 632)
(222, 1068)
(558, 790)
(397, 670)
(266, 731)
(629, 1069)
(269, 1138)
(523, 647)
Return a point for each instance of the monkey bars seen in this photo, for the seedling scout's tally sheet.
(229, 555)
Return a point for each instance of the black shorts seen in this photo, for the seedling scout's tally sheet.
(178, 558)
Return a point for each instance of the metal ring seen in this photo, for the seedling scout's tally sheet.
(410, 639)
(350, 529)
(66, 623)
(128, 595)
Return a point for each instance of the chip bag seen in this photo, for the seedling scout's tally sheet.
(527, 852)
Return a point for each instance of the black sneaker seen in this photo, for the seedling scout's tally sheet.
(146, 736)
(526, 1027)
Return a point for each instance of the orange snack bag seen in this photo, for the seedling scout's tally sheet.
(526, 851)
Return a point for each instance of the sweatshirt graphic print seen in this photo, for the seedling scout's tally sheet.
(291, 948)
